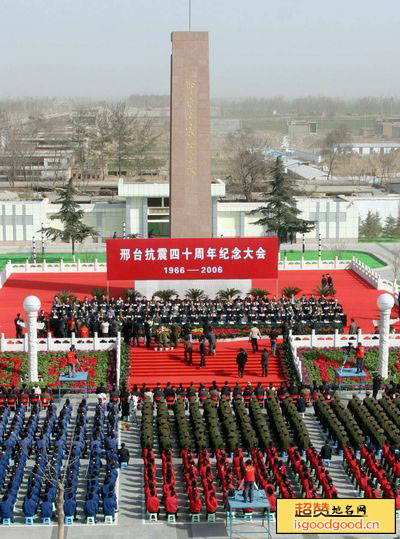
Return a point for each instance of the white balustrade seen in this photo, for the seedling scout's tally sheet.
(59, 344)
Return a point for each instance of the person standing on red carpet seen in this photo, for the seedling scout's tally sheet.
(241, 360)
(188, 349)
(254, 336)
(203, 351)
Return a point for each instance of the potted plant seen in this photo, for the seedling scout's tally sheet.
(258, 293)
(290, 291)
(195, 294)
(165, 295)
(228, 294)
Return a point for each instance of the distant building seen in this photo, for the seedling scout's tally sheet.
(301, 128)
(370, 148)
(388, 127)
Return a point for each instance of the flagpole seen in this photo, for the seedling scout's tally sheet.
(190, 15)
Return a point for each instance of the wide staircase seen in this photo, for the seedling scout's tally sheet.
(151, 366)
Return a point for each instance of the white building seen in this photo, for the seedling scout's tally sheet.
(371, 148)
(145, 212)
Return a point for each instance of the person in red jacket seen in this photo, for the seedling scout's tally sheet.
(272, 499)
(360, 352)
(249, 480)
(171, 503)
(211, 502)
(152, 503)
(195, 504)
(71, 361)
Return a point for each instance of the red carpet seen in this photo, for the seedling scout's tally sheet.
(358, 297)
(150, 366)
(45, 286)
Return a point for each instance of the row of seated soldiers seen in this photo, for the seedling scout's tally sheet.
(249, 310)
(169, 393)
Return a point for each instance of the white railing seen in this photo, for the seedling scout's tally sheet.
(304, 264)
(60, 344)
(335, 340)
(365, 272)
(356, 265)
(51, 267)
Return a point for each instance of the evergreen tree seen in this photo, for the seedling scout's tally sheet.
(371, 226)
(280, 215)
(390, 227)
(70, 215)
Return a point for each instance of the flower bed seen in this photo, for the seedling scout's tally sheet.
(10, 369)
(320, 364)
(235, 331)
(14, 368)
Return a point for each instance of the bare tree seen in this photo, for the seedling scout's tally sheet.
(385, 165)
(246, 161)
(101, 140)
(133, 138)
(333, 147)
(80, 139)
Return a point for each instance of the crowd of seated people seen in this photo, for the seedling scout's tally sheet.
(23, 438)
(27, 397)
(150, 482)
(138, 316)
(104, 438)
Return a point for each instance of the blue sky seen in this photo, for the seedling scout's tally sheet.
(258, 48)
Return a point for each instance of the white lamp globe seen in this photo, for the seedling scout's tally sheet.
(385, 302)
(31, 304)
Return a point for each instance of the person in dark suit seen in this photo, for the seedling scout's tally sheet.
(264, 362)
(301, 404)
(19, 324)
(376, 385)
(123, 454)
(326, 451)
(203, 351)
(241, 360)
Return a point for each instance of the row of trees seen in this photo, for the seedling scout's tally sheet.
(117, 140)
(373, 226)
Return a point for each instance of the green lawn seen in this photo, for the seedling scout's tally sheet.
(368, 259)
(379, 240)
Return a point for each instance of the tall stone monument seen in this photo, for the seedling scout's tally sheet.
(190, 174)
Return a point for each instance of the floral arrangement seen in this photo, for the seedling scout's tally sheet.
(162, 335)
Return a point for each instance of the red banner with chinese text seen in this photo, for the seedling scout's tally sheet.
(192, 258)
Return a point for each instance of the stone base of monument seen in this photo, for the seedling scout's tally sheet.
(210, 286)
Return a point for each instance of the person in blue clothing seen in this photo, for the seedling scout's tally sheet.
(46, 508)
(29, 505)
(6, 508)
(109, 505)
(70, 506)
(91, 506)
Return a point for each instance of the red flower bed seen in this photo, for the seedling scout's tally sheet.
(85, 364)
(323, 363)
(10, 371)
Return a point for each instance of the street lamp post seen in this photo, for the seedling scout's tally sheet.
(385, 304)
(31, 307)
